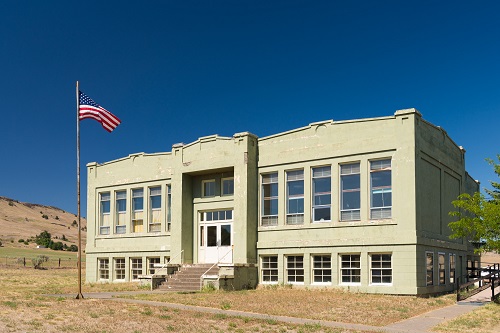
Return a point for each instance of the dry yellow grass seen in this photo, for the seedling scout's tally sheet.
(24, 309)
(317, 304)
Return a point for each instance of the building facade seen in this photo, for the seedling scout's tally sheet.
(360, 204)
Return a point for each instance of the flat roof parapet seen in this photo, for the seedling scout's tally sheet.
(407, 111)
(178, 145)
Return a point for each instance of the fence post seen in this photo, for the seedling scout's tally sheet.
(24, 261)
(59, 262)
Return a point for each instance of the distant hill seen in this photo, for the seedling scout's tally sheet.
(22, 220)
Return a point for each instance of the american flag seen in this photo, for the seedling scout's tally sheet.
(90, 109)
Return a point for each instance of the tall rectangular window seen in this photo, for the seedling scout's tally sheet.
(380, 189)
(120, 268)
(453, 266)
(121, 212)
(381, 269)
(208, 187)
(441, 269)
(269, 199)
(103, 269)
(137, 210)
(350, 198)
(295, 269)
(322, 269)
(350, 271)
(155, 209)
(429, 264)
(169, 206)
(269, 269)
(151, 265)
(135, 268)
(321, 194)
(295, 197)
(227, 186)
(104, 220)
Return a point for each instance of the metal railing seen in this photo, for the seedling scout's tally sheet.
(217, 263)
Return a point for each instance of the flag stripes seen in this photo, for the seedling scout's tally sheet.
(88, 109)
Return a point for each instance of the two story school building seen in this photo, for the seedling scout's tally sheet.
(359, 204)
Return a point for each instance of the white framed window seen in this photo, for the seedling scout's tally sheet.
(155, 209)
(152, 261)
(227, 185)
(217, 215)
(119, 268)
(105, 213)
(103, 269)
(135, 268)
(269, 269)
(138, 210)
(350, 269)
(381, 268)
(429, 266)
(269, 199)
(453, 267)
(295, 269)
(295, 197)
(350, 192)
(321, 194)
(380, 189)
(208, 187)
(121, 212)
(322, 269)
(441, 268)
(169, 207)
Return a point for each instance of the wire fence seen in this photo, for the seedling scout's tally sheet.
(52, 262)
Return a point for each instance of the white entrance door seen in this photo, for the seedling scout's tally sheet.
(216, 238)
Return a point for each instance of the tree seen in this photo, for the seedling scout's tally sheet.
(479, 215)
(44, 238)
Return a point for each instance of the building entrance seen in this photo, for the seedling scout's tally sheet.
(216, 237)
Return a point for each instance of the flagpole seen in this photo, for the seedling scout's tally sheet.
(80, 295)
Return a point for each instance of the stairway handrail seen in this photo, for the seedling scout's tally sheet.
(169, 261)
(218, 262)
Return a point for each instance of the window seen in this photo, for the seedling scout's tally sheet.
(135, 268)
(155, 209)
(270, 199)
(120, 268)
(321, 194)
(322, 269)
(169, 207)
(103, 269)
(137, 210)
(381, 269)
(380, 189)
(350, 192)
(121, 211)
(269, 269)
(295, 269)
(441, 269)
(453, 266)
(350, 271)
(295, 197)
(151, 265)
(228, 186)
(208, 188)
(105, 214)
(429, 268)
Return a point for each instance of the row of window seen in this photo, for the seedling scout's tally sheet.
(118, 268)
(445, 272)
(321, 269)
(321, 197)
(140, 219)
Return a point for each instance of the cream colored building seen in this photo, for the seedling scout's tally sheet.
(359, 204)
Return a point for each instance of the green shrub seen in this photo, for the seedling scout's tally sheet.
(38, 261)
(20, 240)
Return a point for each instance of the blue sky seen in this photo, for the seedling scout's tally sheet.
(174, 71)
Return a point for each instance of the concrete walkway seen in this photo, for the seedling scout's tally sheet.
(419, 324)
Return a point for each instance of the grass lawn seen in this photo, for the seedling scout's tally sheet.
(23, 308)
(7, 250)
(483, 320)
